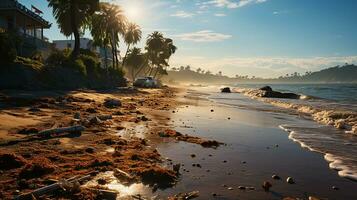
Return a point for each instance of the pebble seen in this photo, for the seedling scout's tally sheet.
(193, 155)
(214, 194)
(224, 161)
(276, 177)
(241, 187)
(335, 188)
(244, 162)
(212, 110)
(230, 188)
(290, 180)
(251, 188)
(267, 185)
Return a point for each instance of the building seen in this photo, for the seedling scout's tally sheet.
(16, 18)
(85, 43)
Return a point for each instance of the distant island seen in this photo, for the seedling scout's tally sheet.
(338, 74)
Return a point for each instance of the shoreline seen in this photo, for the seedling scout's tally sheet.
(110, 139)
(131, 155)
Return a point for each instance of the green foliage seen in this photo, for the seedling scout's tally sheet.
(28, 62)
(37, 55)
(8, 51)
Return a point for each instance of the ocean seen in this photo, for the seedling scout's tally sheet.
(325, 117)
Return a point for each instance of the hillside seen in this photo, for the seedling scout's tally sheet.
(338, 74)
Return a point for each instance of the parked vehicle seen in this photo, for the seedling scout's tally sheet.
(146, 82)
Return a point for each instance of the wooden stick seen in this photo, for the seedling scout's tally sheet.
(70, 129)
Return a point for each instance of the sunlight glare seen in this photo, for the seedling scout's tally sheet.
(132, 11)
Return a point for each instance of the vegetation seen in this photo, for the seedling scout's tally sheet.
(71, 16)
(338, 74)
(80, 68)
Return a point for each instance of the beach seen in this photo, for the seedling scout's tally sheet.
(134, 153)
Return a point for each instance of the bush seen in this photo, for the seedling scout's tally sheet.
(8, 51)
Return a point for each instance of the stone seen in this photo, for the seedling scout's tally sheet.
(90, 150)
(335, 188)
(91, 110)
(77, 115)
(276, 177)
(267, 185)
(226, 90)
(290, 180)
(112, 103)
(266, 88)
(230, 188)
(193, 155)
(241, 187)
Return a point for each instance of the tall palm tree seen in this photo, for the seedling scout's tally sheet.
(132, 36)
(134, 61)
(154, 46)
(71, 16)
(106, 27)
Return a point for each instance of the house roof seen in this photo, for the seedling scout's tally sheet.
(6, 5)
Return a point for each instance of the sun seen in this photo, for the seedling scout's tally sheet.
(132, 12)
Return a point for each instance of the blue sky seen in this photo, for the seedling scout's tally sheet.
(264, 38)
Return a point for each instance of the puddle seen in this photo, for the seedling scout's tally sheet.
(124, 191)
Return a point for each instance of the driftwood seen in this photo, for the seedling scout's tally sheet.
(51, 188)
(70, 129)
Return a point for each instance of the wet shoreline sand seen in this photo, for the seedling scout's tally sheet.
(255, 150)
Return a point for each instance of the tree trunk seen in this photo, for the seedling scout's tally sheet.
(106, 58)
(126, 54)
(74, 26)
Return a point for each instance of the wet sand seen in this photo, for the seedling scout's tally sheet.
(256, 149)
(147, 148)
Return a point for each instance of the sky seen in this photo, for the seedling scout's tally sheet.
(262, 38)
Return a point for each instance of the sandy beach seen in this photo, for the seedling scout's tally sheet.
(142, 149)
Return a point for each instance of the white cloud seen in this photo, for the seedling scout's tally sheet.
(182, 14)
(220, 15)
(203, 36)
(230, 3)
(263, 66)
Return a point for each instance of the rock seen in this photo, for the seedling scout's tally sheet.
(95, 120)
(34, 109)
(290, 180)
(251, 188)
(230, 188)
(212, 110)
(276, 177)
(241, 187)
(313, 198)
(11, 161)
(27, 131)
(91, 110)
(226, 90)
(77, 115)
(267, 185)
(176, 168)
(101, 181)
(193, 155)
(266, 88)
(90, 150)
(144, 118)
(335, 188)
(214, 194)
(210, 143)
(112, 103)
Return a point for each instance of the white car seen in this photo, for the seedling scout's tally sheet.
(147, 82)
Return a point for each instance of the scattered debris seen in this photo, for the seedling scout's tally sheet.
(185, 196)
(112, 103)
(11, 161)
(266, 186)
(276, 177)
(71, 129)
(290, 180)
(226, 90)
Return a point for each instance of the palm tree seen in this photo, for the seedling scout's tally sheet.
(154, 46)
(71, 16)
(135, 59)
(106, 27)
(131, 37)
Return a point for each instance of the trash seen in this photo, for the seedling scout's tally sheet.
(70, 129)
(186, 196)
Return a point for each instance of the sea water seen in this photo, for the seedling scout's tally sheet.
(331, 110)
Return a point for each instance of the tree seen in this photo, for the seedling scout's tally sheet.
(199, 70)
(71, 16)
(135, 59)
(106, 26)
(131, 37)
(159, 51)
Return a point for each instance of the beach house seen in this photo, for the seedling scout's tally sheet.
(28, 24)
